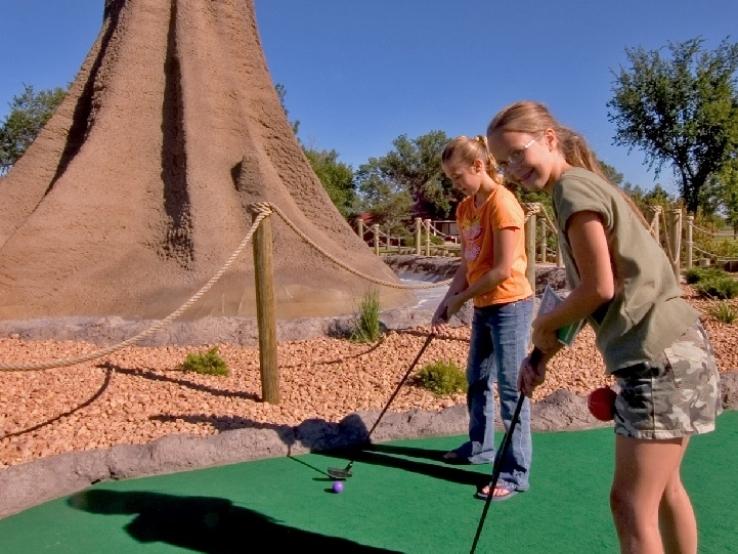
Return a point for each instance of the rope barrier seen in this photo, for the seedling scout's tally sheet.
(350, 269)
(261, 210)
(716, 256)
(441, 233)
(704, 230)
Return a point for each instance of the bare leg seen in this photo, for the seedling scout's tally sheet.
(676, 517)
(643, 469)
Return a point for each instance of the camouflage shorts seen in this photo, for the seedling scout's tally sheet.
(676, 396)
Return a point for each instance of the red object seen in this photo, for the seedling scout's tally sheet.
(601, 403)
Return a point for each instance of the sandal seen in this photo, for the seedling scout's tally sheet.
(509, 493)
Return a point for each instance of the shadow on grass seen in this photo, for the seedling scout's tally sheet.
(206, 524)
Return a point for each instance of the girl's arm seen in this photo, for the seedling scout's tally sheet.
(504, 249)
(597, 283)
(458, 283)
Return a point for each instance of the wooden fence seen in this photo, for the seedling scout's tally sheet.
(542, 245)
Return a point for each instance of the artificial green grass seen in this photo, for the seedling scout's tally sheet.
(400, 499)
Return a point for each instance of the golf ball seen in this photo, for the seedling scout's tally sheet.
(337, 487)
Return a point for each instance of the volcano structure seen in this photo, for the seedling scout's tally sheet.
(137, 190)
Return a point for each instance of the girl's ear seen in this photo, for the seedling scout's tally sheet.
(478, 165)
(551, 139)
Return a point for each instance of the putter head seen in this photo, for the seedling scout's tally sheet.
(338, 473)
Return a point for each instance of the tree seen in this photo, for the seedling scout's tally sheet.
(681, 110)
(337, 178)
(726, 190)
(412, 177)
(29, 112)
(612, 174)
(387, 200)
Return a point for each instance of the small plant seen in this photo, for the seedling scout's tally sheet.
(697, 274)
(367, 327)
(208, 363)
(718, 287)
(442, 378)
(722, 311)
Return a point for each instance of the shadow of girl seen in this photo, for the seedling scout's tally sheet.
(205, 524)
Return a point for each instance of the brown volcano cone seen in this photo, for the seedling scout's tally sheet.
(137, 189)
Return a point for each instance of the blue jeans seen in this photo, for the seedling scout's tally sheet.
(499, 343)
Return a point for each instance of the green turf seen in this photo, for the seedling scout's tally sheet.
(399, 499)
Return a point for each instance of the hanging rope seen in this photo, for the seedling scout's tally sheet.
(261, 210)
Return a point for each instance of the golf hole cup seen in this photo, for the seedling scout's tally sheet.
(601, 403)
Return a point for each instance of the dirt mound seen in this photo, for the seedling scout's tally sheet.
(137, 190)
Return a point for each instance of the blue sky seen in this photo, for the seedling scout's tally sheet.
(360, 73)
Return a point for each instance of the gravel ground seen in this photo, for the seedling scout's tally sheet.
(139, 394)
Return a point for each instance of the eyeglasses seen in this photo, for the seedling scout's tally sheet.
(516, 157)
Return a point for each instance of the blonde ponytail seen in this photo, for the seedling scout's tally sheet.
(470, 149)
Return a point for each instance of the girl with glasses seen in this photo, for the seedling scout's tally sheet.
(651, 339)
(492, 273)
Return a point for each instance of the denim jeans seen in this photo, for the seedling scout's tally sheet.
(499, 343)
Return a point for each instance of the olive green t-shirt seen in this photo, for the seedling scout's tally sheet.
(646, 315)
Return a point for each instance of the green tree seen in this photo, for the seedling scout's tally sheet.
(681, 109)
(408, 178)
(337, 178)
(388, 200)
(726, 190)
(612, 174)
(29, 112)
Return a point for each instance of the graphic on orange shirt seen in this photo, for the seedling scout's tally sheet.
(471, 230)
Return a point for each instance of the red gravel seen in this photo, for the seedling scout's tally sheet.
(139, 394)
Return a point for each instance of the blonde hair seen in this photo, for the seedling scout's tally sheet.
(468, 150)
(532, 118)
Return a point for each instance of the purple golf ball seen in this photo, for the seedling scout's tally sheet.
(337, 487)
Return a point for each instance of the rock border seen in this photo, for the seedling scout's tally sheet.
(27, 485)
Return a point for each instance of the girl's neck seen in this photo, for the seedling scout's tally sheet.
(556, 174)
(485, 189)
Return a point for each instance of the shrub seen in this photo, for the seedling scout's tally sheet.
(697, 274)
(718, 287)
(435, 240)
(442, 378)
(208, 363)
(367, 327)
(724, 312)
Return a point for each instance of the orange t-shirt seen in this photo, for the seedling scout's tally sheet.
(476, 225)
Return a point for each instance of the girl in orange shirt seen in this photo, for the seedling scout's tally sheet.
(492, 273)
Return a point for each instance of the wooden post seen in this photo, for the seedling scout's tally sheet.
(265, 312)
(427, 236)
(418, 234)
(530, 249)
(676, 240)
(361, 228)
(690, 242)
(375, 230)
(656, 218)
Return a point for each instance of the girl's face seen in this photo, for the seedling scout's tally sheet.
(464, 177)
(533, 160)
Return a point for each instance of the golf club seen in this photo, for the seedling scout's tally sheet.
(535, 358)
(344, 473)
